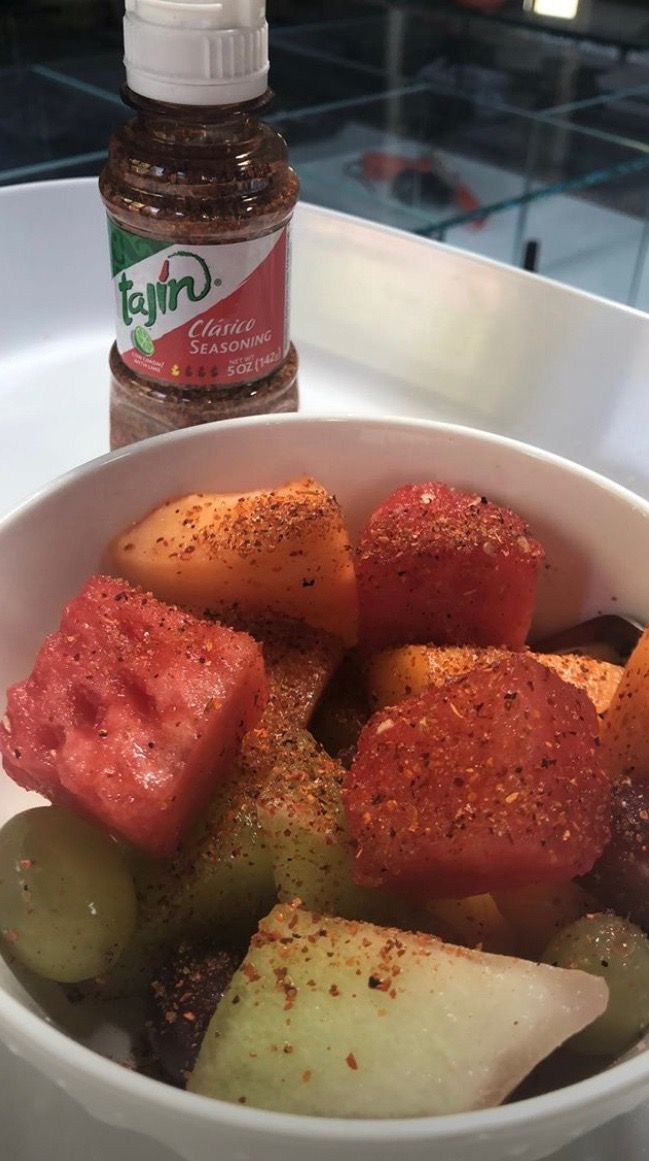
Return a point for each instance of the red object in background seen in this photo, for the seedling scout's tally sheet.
(376, 166)
(387, 166)
(469, 202)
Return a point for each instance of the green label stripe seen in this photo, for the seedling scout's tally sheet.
(127, 249)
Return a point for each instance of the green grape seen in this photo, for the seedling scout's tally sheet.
(67, 901)
(618, 951)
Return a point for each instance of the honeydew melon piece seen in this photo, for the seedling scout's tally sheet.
(220, 882)
(217, 886)
(332, 1017)
(301, 818)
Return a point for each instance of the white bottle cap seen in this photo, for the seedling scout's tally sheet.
(196, 52)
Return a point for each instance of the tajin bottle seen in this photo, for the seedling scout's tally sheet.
(199, 196)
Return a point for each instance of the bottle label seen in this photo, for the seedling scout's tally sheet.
(201, 316)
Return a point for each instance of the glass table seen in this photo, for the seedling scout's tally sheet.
(484, 132)
(625, 26)
(509, 185)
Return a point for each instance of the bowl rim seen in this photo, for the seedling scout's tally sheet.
(18, 1021)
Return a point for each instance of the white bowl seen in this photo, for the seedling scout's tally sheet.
(596, 536)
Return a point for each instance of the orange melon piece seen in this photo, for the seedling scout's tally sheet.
(476, 922)
(537, 912)
(284, 552)
(395, 674)
(625, 729)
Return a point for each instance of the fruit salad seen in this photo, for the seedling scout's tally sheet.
(325, 812)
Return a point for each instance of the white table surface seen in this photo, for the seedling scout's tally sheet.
(385, 323)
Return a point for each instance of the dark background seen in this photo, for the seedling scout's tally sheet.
(60, 67)
(549, 106)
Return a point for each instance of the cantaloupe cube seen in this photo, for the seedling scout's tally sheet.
(625, 729)
(476, 922)
(285, 551)
(538, 912)
(394, 674)
(335, 1018)
(599, 679)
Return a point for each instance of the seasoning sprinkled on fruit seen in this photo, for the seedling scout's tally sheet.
(492, 779)
(435, 564)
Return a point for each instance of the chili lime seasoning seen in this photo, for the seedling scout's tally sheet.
(199, 195)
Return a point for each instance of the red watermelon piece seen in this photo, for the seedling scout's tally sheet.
(132, 712)
(440, 566)
(491, 781)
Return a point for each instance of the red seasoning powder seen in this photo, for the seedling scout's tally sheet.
(199, 195)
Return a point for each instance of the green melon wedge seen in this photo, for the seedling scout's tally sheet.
(303, 826)
(332, 1017)
(220, 882)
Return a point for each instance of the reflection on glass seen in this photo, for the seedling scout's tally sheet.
(560, 9)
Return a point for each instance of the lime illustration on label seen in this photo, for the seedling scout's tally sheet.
(143, 341)
(201, 316)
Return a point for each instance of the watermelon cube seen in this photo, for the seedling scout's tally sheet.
(133, 712)
(492, 781)
(439, 566)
